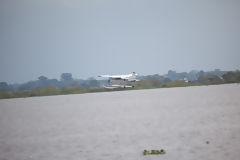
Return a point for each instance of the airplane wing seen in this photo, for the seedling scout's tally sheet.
(113, 76)
(128, 77)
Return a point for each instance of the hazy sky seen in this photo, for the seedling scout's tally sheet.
(92, 37)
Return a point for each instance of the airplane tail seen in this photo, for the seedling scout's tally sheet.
(134, 75)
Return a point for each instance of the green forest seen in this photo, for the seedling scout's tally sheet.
(68, 85)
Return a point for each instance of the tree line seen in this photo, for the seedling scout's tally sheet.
(66, 79)
(68, 85)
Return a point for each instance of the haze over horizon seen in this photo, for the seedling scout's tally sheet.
(90, 37)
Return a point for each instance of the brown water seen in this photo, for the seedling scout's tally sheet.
(120, 125)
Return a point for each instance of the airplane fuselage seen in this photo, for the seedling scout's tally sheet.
(119, 81)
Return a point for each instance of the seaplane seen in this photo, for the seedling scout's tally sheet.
(119, 81)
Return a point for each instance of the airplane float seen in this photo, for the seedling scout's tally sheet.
(116, 81)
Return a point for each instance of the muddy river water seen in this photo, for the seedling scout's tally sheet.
(120, 125)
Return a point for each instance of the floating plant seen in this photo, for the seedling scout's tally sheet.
(147, 152)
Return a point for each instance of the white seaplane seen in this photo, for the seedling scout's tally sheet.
(119, 81)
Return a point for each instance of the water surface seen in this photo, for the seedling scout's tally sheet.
(120, 125)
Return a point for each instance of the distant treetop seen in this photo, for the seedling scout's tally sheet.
(66, 77)
(42, 78)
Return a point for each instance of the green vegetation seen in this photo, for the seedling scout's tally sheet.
(232, 77)
(46, 91)
(161, 151)
(46, 87)
(49, 90)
